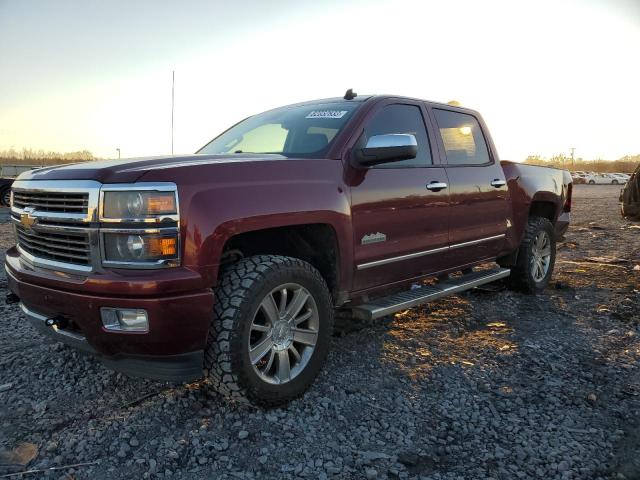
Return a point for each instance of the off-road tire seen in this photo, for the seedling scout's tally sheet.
(521, 278)
(241, 288)
(5, 196)
(630, 211)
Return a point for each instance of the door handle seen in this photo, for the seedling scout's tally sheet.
(498, 183)
(436, 186)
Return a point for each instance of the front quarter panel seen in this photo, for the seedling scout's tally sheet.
(223, 200)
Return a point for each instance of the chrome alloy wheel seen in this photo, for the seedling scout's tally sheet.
(284, 333)
(541, 256)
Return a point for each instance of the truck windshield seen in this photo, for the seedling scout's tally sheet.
(302, 131)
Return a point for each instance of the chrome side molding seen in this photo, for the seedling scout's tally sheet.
(385, 261)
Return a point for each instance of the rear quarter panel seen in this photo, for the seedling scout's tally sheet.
(528, 184)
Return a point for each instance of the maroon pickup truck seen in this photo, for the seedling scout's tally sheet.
(230, 264)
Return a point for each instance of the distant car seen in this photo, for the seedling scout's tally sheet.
(5, 191)
(603, 178)
(623, 177)
(578, 177)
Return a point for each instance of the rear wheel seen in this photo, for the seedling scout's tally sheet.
(271, 329)
(536, 257)
(614, 182)
(5, 197)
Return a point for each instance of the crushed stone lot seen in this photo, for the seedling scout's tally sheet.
(487, 384)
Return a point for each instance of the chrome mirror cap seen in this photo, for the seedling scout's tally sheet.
(392, 140)
(387, 148)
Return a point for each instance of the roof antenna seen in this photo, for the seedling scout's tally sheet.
(350, 95)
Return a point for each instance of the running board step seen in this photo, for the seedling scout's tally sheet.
(383, 306)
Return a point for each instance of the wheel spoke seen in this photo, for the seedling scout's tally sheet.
(272, 355)
(304, 336)
(540, 269)
(304, 317)
(259, 351)
(260, 328)
(283, 301)
(295, 352)
(298, 301)
(270, 308)
(284, 367)
(546, 251)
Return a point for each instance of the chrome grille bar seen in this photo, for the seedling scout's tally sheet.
(60, 232)
(52, 202)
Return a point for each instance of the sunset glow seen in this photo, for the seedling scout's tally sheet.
(546, 75)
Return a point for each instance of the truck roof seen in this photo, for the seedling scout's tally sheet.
(364, 98)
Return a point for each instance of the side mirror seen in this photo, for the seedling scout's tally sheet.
(387, 148)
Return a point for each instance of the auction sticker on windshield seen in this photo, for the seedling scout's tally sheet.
(327, 114)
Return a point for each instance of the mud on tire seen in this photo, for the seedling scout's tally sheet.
(239, 297)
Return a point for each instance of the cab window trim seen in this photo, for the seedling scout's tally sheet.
(444, 150)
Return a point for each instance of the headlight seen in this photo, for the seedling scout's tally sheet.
(140, 225)
(141, 247)
(126, 205)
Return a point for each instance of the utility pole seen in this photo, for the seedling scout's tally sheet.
(173, 82)
(118, 153)
(573, 149)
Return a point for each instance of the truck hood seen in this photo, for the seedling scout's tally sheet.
(130, 170)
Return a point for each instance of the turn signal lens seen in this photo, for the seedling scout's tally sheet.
(162, 247)
(161, 203)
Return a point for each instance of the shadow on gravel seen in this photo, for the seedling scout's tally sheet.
(523, 373)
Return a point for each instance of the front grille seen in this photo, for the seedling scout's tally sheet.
(52, 201)
(60, 247)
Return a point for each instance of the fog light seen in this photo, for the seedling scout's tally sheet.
(124, 320)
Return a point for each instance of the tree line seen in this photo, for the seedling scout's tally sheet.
(28, 156)
(626, 164)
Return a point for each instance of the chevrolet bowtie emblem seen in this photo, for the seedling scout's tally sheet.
(27, 220)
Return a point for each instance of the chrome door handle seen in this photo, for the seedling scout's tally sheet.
(436, 186)
(498, 183)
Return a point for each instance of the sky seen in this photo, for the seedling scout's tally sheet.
(547, 75)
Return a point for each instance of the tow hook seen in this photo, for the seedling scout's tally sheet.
(12, 298)
(58, 322)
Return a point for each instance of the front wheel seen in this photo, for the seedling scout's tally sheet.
(536, 257)
(614, 182)
(592, 182)
(270, 332)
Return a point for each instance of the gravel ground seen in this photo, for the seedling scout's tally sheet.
(488, 384)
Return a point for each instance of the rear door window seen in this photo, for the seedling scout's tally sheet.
(464, 143)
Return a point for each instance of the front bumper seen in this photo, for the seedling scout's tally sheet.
(172, 349)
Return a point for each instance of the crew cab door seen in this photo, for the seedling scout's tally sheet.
(478, 188)
(400, 224)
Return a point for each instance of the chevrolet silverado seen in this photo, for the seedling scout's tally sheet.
(228, 265)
